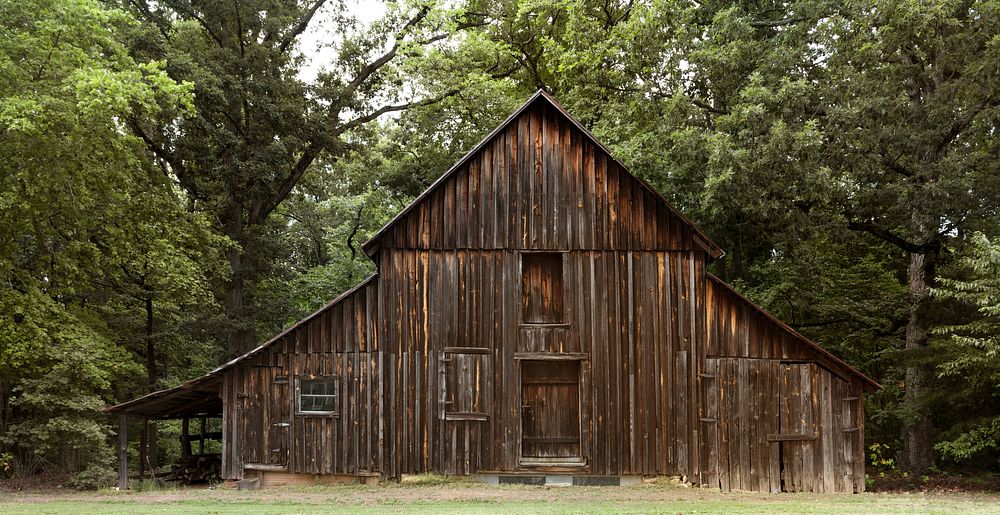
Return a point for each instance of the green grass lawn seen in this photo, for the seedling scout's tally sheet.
(464, 496)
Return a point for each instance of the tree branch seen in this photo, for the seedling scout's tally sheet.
(313, 151)
(301, 27)
(708, 107)
(361, 120)
(777, 23)
(175, 164)
(888, 237)
(204, 24)
(956, 130)
(161, 25)
(262, 209)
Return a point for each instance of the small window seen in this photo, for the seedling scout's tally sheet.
(318, 395)
(542, 288)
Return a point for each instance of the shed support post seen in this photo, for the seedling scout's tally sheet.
(201, 440)
(122, 452)
(143, 446)
(185, 438)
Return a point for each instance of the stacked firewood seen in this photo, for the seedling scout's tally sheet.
(198, 468)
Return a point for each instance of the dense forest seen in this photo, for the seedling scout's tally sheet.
(175, 187)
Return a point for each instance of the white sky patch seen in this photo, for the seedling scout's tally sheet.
(316, 42)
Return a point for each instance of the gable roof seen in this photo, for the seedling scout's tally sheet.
(372, 245)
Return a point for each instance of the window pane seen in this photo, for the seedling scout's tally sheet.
(318, 394)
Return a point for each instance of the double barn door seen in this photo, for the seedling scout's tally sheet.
(779, 426)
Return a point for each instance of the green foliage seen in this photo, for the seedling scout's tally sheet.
(968, 355)
(82, 214)
(880, 458)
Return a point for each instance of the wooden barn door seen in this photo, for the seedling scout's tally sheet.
(550, 411)
(279, 419)
(797, 435)
(264, 408)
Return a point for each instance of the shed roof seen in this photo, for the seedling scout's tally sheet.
(826, 356)
(201, 396)
(197, 397)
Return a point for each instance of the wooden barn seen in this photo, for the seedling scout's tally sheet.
(538, 314)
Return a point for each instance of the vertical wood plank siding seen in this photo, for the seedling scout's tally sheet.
(622, 339)
(555, 190)
(259, 411)
(749, 354)
(677, 373)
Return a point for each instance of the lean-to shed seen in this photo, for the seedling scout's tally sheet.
(539, 312)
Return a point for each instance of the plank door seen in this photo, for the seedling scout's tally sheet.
(265, 409)
(279, 419)
(797, 427)
(550, 410)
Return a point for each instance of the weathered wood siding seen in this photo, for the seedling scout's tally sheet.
(633, 319)
(761, 380)
(260, 416)
(541, 183)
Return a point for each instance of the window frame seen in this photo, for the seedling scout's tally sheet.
(565, 314)
(336, 395)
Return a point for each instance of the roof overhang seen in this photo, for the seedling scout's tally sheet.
(196, 398)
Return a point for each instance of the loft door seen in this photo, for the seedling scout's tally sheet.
(550, 411)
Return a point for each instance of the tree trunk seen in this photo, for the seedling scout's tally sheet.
(917, 433)
(242, 336)
(5, 391)
(152, 375)
(239, 312)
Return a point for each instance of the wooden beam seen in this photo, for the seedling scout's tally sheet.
(790, 437)
(201, 440)
(552, 356)
(143, 446)
(122, 452)
(265, 467)
(185, 439)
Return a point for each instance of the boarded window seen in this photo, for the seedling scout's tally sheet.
(542, 288)
(464, 378)
(318, 395)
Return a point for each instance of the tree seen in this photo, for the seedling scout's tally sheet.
(913, 101)
(968, 355)
(259, 127)
(72, 184)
